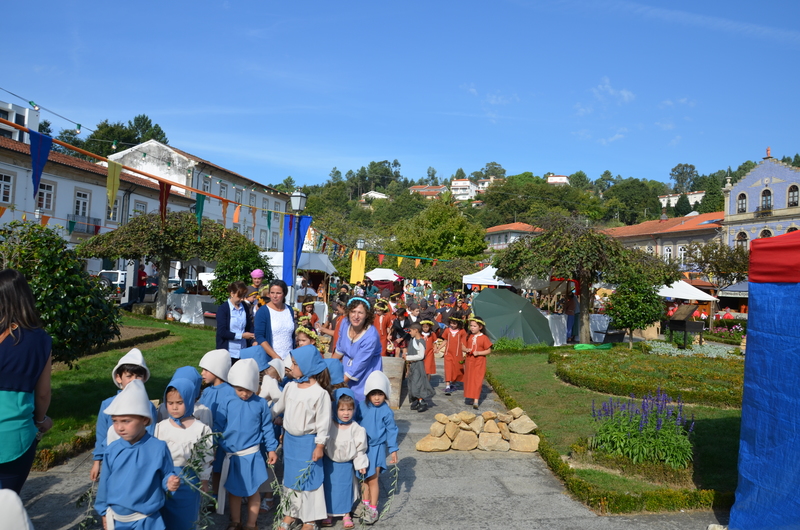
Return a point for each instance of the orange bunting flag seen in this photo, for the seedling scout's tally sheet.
(416, 263)
(43, 221)
(236, 213)
(434, 263)
(224, 212)
(2, 210)
(380, 258)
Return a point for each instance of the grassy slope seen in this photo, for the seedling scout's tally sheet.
(563, 413)
(77, 393)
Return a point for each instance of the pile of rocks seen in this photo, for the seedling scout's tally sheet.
(490, 431)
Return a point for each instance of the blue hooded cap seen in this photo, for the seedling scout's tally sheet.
(338, 393)
(336, 370)
(186, 389)
(258, 354)
(190, 373)
(309, 360)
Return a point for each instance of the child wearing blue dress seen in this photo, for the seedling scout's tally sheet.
(378, 420)
(130, 366)
(306, 408)
(345, 452)
(247, 425)
(186, 436)
(137, 469)
(216, 364)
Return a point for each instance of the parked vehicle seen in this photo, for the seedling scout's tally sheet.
(115, 282)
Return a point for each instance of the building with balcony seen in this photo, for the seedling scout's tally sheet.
(500, 236)
(463, 189)
(429, 192)
(764, 203)
(483, 184)
(25, 116)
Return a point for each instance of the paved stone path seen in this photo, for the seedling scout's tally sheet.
(451, 490)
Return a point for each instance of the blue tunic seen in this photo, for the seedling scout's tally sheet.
(104, 422)
(212, 397)
(360, 358)
(247, 424)
(297, 454)
(338, 482)
(134, 479)
(381, 433)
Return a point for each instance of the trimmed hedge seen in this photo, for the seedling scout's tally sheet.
(714, 387)
(606, 501)
(131, 342)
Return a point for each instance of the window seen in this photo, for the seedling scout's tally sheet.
(223, 191)
(741, 203)
(766, 200)
(207, 185)
(237, 228)
(274, 239)
(5, 133)
(276, 216)
(139, 208)
(4, 114)
(238, 196)
(765, 233)
(44, 200)
(112, 214)
(5, 188)
(81, 203)
(262, 239)
(741, 239)
(791, 229)
(253, 200)
(264, 208)
(794, 196)
(667, 253)
(650, 249)
(681, 253)
(248, 232)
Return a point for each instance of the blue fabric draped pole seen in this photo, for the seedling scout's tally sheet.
(293, 237)
(40, 150)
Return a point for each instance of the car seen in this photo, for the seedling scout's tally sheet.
(114, 281)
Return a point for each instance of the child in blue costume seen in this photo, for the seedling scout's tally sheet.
(378, 420)
(201, 412)
(137, 468)
(248, 425)
(345, 452)
(306, 407)
(130, 366)
(185, 435)
(216, 364)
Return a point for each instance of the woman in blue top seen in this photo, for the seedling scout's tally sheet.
(359, 345)
(25, 365)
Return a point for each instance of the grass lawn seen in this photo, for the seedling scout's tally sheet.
(563, 414)
(77, 393)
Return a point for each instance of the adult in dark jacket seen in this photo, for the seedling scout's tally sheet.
(234, 323)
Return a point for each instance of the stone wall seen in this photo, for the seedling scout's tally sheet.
(490, 431)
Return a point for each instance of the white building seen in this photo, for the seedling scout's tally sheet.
(483, 184)
(27, 117)
(558, 180)
(259, 218)
(500, 236)
(672, 199)
(463, 189)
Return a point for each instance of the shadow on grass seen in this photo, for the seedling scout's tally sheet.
(717, 452)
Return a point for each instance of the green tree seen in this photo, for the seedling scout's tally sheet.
(713, 200)
(288, 185)
(459, 175)
(567, 248)
(580, 181)
(683, 175)
(449, 273)
(335, 176)
(101, 140)
(45, 127)
(604, 181)
(174, 240)
(796, 160)
(439, 231)
(682, 207)
(719, 263)
(75, 308)
(235, 265)
(638, 200)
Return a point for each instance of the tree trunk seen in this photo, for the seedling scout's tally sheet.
(630, 338)
(586, 308)
(163, 288)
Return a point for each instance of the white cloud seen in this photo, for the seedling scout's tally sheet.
(618, 136)
(580, 110)
(469, 88)
(499, 99)
(583, 134)
(666, 126)
(675, 141)
(605, 89)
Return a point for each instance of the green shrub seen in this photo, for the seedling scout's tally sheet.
(74, 307)
(505, 344)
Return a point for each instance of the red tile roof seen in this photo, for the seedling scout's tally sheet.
(674, 224)
(513, 227)
(84, 165)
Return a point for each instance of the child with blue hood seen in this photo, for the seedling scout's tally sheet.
(345, 452)
(201, 412)
(184, 434)
(306, 408)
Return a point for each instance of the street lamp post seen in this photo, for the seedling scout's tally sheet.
(298, 204)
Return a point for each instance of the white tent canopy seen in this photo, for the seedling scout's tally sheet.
(309, 261)
(383, 275)
(684, 291)
(484, 276)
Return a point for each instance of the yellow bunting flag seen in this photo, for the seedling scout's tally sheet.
(357, 266)
(112, 184)
(416, 263)
(399, 261)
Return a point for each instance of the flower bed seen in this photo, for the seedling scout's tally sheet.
(657, 347)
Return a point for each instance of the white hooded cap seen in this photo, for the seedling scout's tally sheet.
(132, 401)
(279, 367)
(14, 514)
(377, 381)
(132, 357)
(218, 362)
(244, 374)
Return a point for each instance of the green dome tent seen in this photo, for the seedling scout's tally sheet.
(509, 315)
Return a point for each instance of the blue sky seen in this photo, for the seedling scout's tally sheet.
(272, 89)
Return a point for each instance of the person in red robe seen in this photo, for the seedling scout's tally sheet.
(428, 331)
(477, 347)
(383, 323)
(455, 337)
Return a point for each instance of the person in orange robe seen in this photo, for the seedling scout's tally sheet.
(454, 337)
(383, 323)
(477, 347)
(308, 310)
(429, 328)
